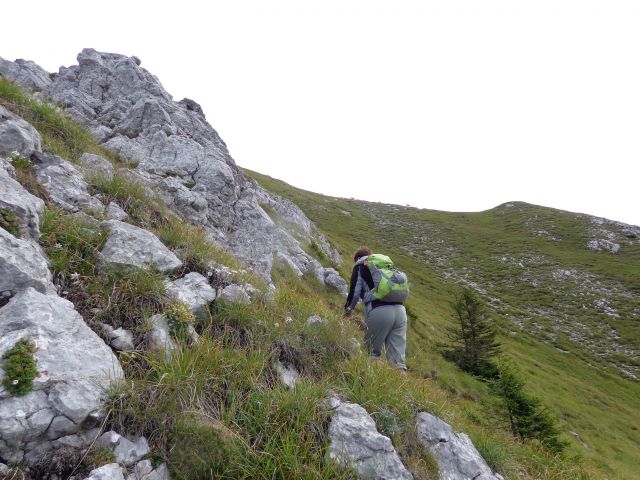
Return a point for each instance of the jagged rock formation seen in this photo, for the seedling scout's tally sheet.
(356, 443)
(179, 153)
(457, 457)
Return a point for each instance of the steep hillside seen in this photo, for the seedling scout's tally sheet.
(564, 288)
(162, 315)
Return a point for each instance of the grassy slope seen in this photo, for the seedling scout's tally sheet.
(592, 401)
(215, 406)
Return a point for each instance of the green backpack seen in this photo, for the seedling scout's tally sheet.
(389, 283)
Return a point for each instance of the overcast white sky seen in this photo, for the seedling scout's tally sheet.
(451, 105)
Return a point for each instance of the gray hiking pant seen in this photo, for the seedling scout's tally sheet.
(387, 326)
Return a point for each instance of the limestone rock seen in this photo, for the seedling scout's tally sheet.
(235, 294)
(457, 457)
(64, 183)
(194, 290)
(355, 442)
(144, 471)
(134, 246)
(16, 135)
(75, 369)
(26, 207)
(111, 471)
(159, 338)
(288, 374)
(97, 164)
(600, 244)
(182, 157)
(127, 452)
(114, 212)
(316, 320)
(25, 73)
(119, 338)
(332, 279)
(22, 265)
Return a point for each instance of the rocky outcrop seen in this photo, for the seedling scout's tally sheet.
(26, 207)
(181, 155)
(457, 457)
(16, 135)
(22, 265)
(25, 73)
(64, 183)
(75, 368)
(355, 442)
(129, 245)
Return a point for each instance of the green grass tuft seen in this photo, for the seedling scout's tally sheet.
(9, 222)
(19, 368)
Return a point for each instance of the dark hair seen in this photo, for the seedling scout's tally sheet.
(361, 252)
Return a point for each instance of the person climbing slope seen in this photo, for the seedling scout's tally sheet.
(383, 290)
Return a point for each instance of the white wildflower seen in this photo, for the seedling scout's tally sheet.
(57, 246)
(288, 320)
(277, 325)
(15, 382)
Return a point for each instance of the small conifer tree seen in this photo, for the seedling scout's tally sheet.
(473, 337)
(528, 417)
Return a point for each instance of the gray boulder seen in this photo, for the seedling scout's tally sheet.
(75, 369)
(134, 246)
(16, 135)
(127, 452)
(355, 442)
(332, 279)
(457, 457)
(114, 212)
(111, 471)
(95, 164)
(64, 183)
(22, 265)
(235, 293)
(144, 471)
(25, 73)
(194, 290)
(158, 338)
(119, 338)
(26, 207)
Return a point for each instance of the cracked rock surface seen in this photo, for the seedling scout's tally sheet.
(180, 155)
(457, 457)
(75, 368)
(134, 246)
(356, 443)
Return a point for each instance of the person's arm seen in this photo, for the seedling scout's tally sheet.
(357, 290)
(352, 287)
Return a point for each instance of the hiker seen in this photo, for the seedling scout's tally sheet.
(385, 316)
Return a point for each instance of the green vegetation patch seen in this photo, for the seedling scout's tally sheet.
(9, 222)
(20, 368)
(179, 318)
